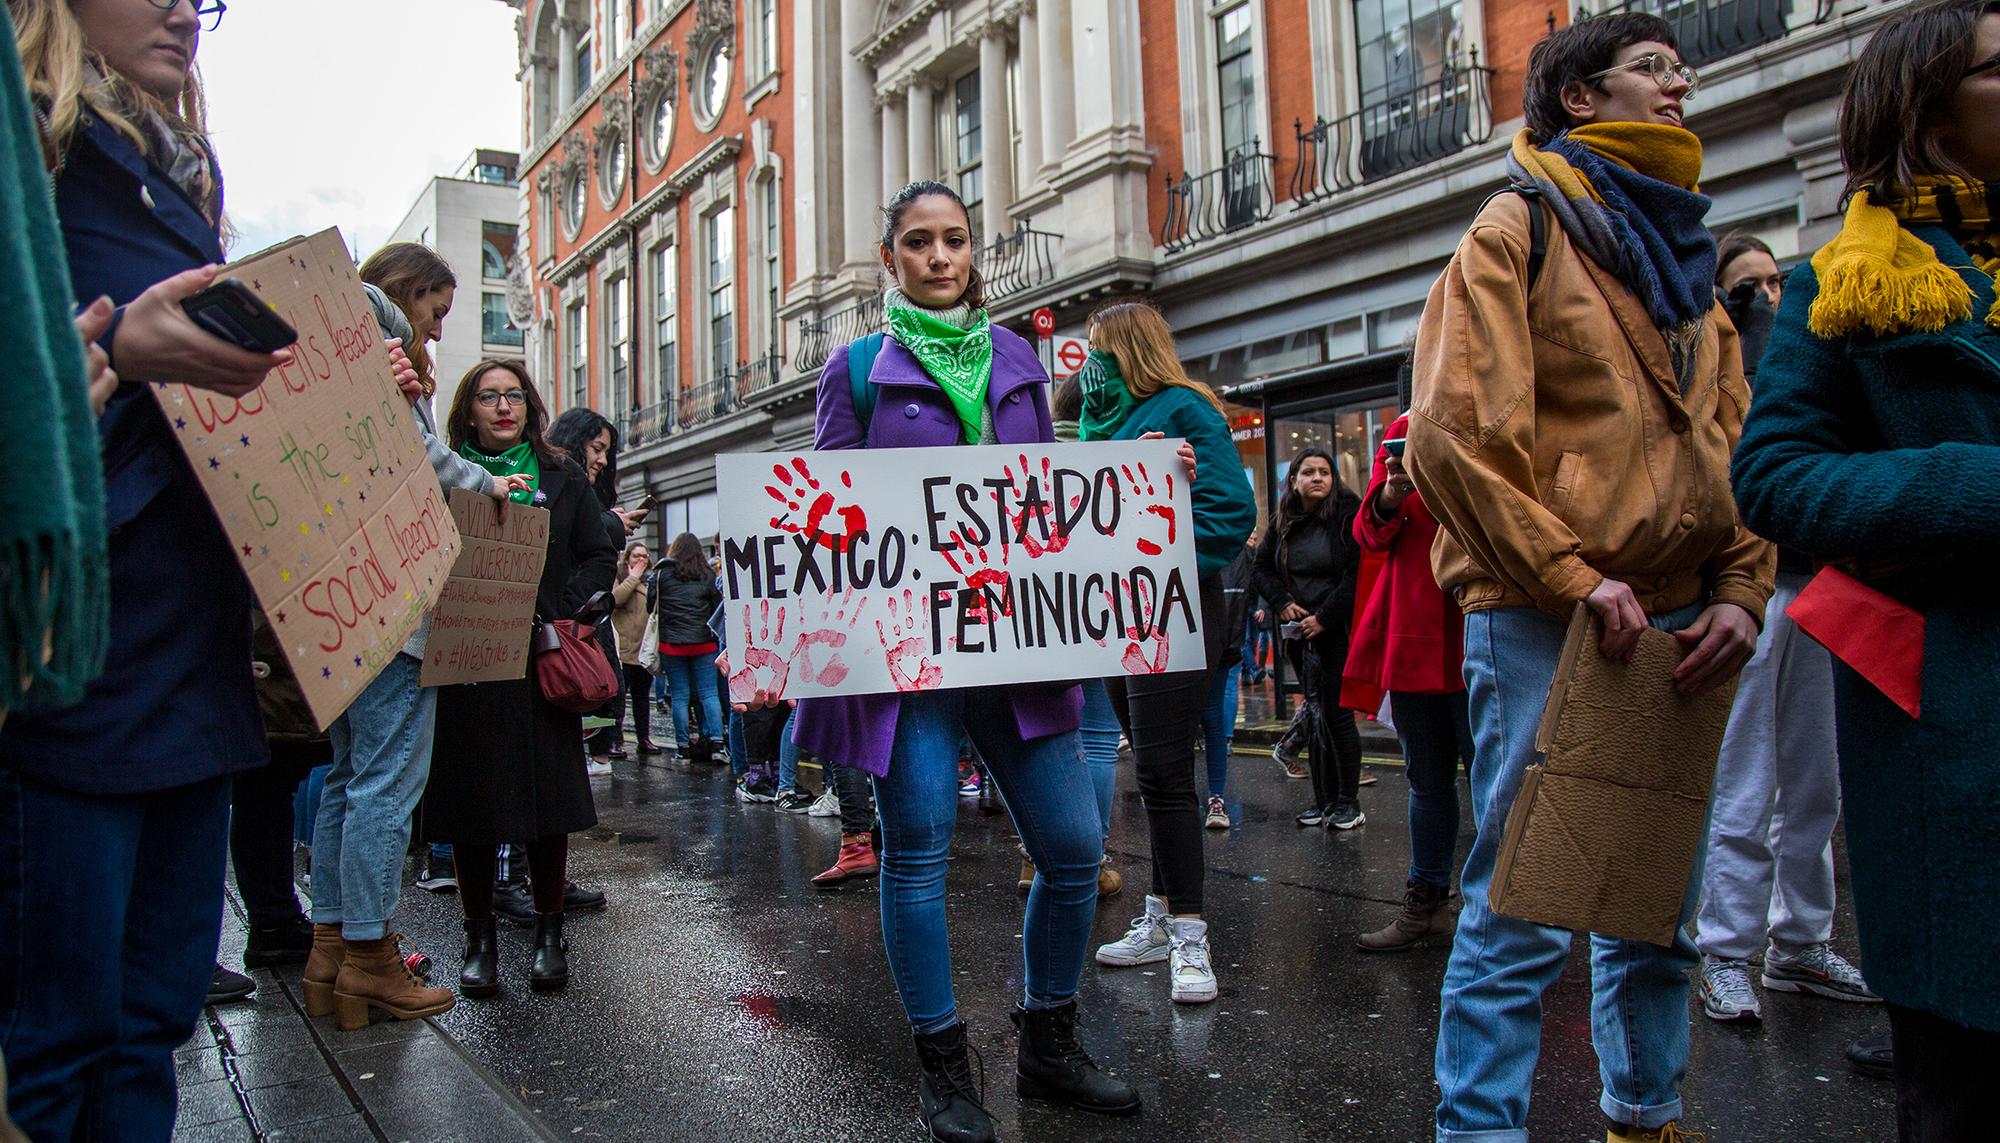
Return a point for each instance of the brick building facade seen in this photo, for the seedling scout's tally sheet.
(1283, 177)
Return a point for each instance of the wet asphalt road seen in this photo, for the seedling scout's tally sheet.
(721, 996)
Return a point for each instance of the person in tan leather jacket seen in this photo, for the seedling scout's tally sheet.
(1572, 430)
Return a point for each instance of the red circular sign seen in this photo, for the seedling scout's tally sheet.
(1045, 321)
(1070, 354)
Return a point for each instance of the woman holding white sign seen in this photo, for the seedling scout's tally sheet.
(509, 763)
(1134, 388)
(946, 376)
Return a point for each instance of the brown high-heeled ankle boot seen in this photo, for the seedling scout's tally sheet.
(375, 976)
(322, 967)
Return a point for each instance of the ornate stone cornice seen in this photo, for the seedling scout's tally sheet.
(710, 158)
(714, 21)
(893, 27)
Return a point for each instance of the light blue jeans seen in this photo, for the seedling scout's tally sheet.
(693, 675)
(381, 762)
(1047, 790)
(1490, 1018)
(1098, 734)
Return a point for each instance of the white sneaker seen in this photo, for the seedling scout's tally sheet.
(1189, 968)
(1725, 990)
(597, 769)
(1144, 943)
(1819, 970)
(825, 806)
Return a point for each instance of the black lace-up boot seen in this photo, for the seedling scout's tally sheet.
(952, 1104)
(1053, 1065)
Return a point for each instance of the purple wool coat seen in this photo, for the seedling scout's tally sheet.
(912, 411)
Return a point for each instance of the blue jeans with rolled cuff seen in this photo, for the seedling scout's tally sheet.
(381, 763)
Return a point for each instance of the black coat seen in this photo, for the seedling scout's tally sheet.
(1316, 565)
(685, 605)
(508, 764)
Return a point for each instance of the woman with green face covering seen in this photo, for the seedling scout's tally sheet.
(1134, 389)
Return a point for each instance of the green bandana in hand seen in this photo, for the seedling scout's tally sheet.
(956, 355)
(1106, 400)
(517, 461)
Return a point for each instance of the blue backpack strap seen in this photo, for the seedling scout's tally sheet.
(861, 355)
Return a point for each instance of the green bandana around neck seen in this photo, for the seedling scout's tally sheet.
(955, 347)
(1107, 400)
(517, 461)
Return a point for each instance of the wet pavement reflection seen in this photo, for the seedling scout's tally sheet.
(722, 995)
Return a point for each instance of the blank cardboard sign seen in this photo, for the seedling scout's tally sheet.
(320, 479)
(484, 617)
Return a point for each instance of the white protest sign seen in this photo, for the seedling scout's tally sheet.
(909, 569)
(486, 612)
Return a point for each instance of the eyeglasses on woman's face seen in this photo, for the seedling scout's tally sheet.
(1663, 68)
(491, 398)
(209, 11)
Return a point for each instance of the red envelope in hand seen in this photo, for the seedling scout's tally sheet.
(1883, 640)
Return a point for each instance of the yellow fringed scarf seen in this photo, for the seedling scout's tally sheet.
(1875, 276)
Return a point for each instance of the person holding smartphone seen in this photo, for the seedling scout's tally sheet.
(1409, 644)
(116, 808)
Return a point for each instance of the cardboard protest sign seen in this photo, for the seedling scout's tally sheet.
(320, 479)
(486, 612)
(915, 569)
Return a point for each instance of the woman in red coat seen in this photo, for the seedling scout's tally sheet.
(1408, 643)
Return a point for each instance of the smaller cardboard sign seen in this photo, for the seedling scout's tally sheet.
(485, 614)
(1625, 755)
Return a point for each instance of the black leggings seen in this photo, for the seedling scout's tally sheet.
(1334, 752)
(1161, 716)
(639, 688)
(548, 870)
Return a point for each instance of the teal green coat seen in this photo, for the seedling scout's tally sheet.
(1225, 510)
(1888, 451)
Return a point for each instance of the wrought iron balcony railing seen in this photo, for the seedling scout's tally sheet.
(647, 424)
(702, 403)
(1709, 30)
(759, 375)
(1202, 207)
(1394, 133)
(1018, 261)
(818, 336)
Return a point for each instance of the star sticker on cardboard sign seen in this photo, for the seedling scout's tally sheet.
(214, 463)
(281, 617)
(246, 551)
(357, 660)
(284, 577)
(326, 672)
(180, 422)
(245, 438)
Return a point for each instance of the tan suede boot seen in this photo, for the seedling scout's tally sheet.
(322, 967)
(1108, 880)
(374, 976)
(1426, 913)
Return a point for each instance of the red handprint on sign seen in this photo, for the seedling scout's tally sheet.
(1143, 486)
(834, 623)
(764, 670)
(1038, 525)
(797, 489)
(970, 561)
(1145, 631)
(904, 647)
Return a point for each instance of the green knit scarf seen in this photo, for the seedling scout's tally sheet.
(517, 461)
(55, 598)
(955, 347)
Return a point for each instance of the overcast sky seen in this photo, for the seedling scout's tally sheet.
(336, 114)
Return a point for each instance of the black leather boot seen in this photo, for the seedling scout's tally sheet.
(481, 975)
(548, 968)
(1053, 1066)
(949, 1101)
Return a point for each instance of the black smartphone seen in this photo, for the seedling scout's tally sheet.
(645, 504)
(1395, 445)
(229, 310)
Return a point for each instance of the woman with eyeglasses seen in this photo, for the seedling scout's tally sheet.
(382, 742)
(508, 765)
(1874, 441)
(114, 811)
